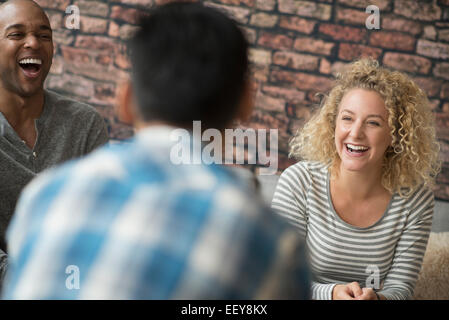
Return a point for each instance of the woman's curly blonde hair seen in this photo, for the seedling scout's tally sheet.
(413, 157)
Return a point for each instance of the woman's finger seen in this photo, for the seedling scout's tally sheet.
(355, 288)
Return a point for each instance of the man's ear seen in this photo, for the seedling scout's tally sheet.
(246, 102)
(125, 103)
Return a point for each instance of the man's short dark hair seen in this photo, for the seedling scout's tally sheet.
(189, 62)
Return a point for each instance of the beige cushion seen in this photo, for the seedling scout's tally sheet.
(433, 280)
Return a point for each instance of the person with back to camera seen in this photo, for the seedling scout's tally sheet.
(362, 195)
(136, 225)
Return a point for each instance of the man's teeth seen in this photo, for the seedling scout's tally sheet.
(30, 61)
(358, 148)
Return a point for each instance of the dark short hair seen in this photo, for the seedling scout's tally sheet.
(189, 63)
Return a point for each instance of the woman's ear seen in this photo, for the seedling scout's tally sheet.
(125, 103)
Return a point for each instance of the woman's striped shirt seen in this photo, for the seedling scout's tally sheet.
(386, 256)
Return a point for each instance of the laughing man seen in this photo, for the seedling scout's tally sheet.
(38, 128)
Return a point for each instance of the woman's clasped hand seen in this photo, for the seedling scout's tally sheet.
(353, 291)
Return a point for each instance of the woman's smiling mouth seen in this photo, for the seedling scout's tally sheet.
(355, 149)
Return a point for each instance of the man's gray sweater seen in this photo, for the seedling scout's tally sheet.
(66, 129)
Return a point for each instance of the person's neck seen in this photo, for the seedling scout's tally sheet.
(360, 185)
(20, 110)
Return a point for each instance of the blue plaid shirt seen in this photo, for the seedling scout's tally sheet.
(127, 223)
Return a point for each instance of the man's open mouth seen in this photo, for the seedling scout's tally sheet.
(31, 66)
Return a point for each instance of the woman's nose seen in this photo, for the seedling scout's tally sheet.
(357, 130)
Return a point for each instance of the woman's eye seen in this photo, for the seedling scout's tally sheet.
(374, 123)
(346, 118)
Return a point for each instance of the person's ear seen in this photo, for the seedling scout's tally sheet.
(246, 102)
(125, 103)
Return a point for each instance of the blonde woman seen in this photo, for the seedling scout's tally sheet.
(361, 196)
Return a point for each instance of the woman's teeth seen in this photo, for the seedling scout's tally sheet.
(353, 148)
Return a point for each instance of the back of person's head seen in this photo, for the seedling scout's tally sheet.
(189, 63)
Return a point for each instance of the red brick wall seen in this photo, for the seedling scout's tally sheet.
(297, 46)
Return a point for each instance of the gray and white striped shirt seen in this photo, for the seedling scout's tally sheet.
(386, 256)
